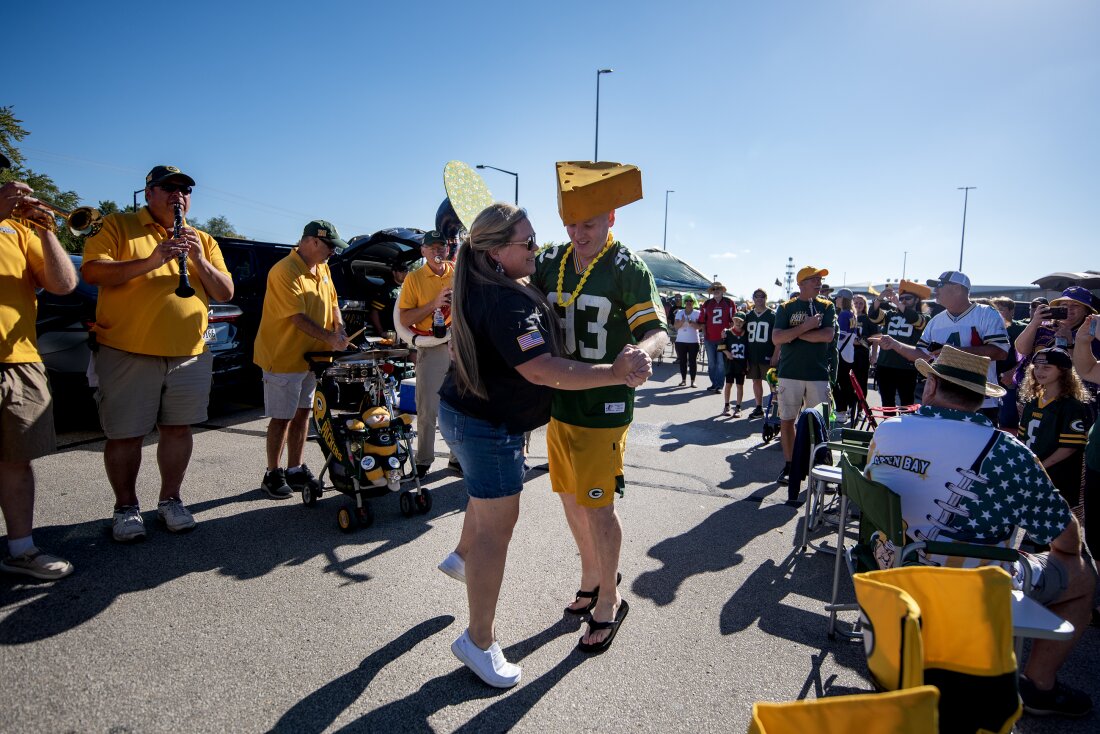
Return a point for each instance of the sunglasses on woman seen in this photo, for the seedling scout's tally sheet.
(530, 242)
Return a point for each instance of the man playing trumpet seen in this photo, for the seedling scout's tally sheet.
(30, 256)
(151, 362)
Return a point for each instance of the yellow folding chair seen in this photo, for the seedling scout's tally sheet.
(947, 627)
(912, 711)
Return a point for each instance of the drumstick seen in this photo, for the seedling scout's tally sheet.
(357, 333)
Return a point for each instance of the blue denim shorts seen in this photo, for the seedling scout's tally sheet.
(491, 457)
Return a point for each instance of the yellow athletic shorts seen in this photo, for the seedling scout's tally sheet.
(586, 462)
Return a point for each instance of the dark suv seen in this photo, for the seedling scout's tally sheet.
(62, 330)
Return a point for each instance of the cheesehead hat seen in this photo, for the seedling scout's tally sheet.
(587, 189)
(920, 291)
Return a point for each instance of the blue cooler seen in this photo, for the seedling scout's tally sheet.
(406, 398)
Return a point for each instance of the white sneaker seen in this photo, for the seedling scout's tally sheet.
(454, 566)
(175, 516)
(37, 564)
(489, 665)
(128, 524)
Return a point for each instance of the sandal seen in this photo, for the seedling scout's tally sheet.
(613, 625)
(726, 410)
(594, 595)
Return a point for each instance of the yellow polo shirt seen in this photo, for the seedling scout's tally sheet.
(421, 288)
(144, 315)
(22, 269)
(292, 289)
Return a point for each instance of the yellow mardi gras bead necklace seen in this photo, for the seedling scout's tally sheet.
(587, 271)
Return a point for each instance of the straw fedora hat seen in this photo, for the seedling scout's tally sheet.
(963, 369)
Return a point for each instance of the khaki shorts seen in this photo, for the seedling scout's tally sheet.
(285, 393)
(26, 412)
(797, 394)
(586, 462)
(138, 391)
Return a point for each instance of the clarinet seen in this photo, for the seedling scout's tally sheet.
(184, 290)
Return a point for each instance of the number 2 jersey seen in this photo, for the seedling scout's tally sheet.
(618, 305)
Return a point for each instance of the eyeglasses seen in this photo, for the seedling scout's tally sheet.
(531, 243)
(173, 188)
(907, 297)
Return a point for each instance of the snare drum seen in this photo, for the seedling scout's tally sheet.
(352, 369)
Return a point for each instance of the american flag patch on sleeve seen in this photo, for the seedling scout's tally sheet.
(530, 340)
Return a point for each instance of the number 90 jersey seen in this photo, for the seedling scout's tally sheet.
(618, 305)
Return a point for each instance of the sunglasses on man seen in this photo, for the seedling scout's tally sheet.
(173, 188)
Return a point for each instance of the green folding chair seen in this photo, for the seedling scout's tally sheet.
(880, 512)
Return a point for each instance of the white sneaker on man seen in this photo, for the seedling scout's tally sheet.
(127, 525)
(175, 516)
(454, 566)
(489, 665)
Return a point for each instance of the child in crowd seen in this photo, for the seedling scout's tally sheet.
(1055, 420)
(733, 348)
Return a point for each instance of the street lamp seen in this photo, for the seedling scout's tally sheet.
(664, 244)
(510, 173)
(599, 72)
(904, 260)
(962, 243)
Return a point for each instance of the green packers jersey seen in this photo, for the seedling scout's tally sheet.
(800, 359)
(618, 305)
(758, 335)
(904, 326)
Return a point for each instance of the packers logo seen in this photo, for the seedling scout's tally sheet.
(595, 493)
(1078, 426)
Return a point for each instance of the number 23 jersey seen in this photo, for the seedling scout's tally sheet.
(618, 305)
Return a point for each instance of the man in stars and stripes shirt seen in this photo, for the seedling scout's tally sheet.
(960, 479)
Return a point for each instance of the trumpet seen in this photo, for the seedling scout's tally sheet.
(82, 221)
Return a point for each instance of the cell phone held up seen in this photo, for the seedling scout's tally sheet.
(1092, 326)
(1058, 313)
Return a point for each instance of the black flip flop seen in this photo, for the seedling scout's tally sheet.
(594, 595)
(613, 625)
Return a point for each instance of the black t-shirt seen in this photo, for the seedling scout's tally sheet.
(382, 299)
(509, 329)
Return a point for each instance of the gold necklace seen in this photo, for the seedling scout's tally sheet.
(584, 277)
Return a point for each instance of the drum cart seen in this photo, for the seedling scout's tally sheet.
(366, 441)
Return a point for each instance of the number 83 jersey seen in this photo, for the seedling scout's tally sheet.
(618, 305)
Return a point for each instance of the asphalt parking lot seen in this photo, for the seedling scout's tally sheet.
(267, 618)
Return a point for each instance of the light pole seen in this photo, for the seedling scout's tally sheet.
(599, 72)
(904, 260)
(664, 244)
(510, 173)
(962, 242)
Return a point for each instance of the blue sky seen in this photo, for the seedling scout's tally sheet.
(835, 133)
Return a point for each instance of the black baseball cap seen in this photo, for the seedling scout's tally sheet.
(159, 174)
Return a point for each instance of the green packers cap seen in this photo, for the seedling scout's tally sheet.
(323, 230)
(435, 237)
(161, 173)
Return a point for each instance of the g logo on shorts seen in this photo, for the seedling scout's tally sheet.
(595, 493)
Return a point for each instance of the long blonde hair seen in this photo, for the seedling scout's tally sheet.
(475, 269)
